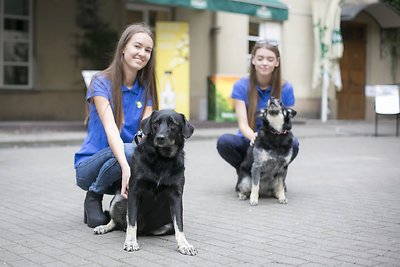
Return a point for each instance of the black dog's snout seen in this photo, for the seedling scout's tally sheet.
(160, 138)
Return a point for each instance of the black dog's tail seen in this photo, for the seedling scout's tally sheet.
(107, 213)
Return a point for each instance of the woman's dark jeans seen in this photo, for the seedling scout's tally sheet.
(101, 173)
(232, 148)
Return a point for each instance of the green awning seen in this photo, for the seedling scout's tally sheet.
(266, 9)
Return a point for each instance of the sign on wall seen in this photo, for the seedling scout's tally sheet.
(172, 66)
(220, 104)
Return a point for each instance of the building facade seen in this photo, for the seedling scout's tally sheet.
(41, 64)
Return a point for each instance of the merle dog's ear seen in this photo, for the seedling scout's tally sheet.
(291, 112)
(145, 124)
(187, 128)
(260, 113)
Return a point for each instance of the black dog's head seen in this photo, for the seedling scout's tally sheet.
(166, 131)
(277, 116)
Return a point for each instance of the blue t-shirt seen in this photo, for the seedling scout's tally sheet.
(132, 106)
(241, 92)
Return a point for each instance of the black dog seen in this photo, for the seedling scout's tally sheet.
(154, 204)
(263, 171)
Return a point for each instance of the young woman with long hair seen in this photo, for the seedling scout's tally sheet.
(250, 94)
(119, 97)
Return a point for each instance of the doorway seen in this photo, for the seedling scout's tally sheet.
(351, 99)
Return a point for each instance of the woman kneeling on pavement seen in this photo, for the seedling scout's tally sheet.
(251, 94)
(119, 98)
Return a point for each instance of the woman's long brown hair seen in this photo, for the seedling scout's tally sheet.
(116, 73)
(253, 92)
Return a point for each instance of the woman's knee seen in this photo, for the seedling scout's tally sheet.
(295, 146)
(83, 182)
(220, 142)
(109, 173)
(223, 145)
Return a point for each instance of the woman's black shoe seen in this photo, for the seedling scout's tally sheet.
(93, 210)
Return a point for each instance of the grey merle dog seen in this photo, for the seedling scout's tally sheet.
(154, 204)
(264, 169)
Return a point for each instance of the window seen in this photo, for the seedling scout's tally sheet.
(254, 34)
(16, 44)
(258, 29)
(148, 14)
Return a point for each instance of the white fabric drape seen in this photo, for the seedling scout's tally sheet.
(328, 44)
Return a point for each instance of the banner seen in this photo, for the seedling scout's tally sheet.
(172, 66)
(220, 104)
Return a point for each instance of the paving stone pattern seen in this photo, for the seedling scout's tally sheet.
(344, 209)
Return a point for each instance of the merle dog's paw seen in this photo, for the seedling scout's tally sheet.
(283, 201)
(253, 200)
(187, 250)
(99, 230)
(131, 245)
(242, 196)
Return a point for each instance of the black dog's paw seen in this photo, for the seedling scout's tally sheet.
(187, 250)
(101, 229)
(131, 245)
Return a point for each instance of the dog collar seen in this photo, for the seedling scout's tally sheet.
(138, 137)
(278, 133)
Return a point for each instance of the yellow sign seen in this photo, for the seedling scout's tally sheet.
(172, 66)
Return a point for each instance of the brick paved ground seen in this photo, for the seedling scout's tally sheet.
(344, 208)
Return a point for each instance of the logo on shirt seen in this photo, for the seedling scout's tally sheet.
(139, 104)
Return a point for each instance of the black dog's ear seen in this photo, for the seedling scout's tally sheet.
(291, 112)
(187, 128)
(145, 124)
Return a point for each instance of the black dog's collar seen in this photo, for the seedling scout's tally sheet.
(138, 137)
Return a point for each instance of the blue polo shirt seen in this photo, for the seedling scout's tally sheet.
(132, 105)
(241, 92)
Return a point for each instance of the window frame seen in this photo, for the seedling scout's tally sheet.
(146, 9)
(254, 38)
(263, 33)
(29, 64)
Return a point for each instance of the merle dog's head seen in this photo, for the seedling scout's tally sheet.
(166, 130)
(276, 116)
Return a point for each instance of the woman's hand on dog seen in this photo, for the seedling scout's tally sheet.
(126, 174)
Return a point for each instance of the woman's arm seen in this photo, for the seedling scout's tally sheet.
(241, 114)
(287, 96)
(147, 112)
(114, 140)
